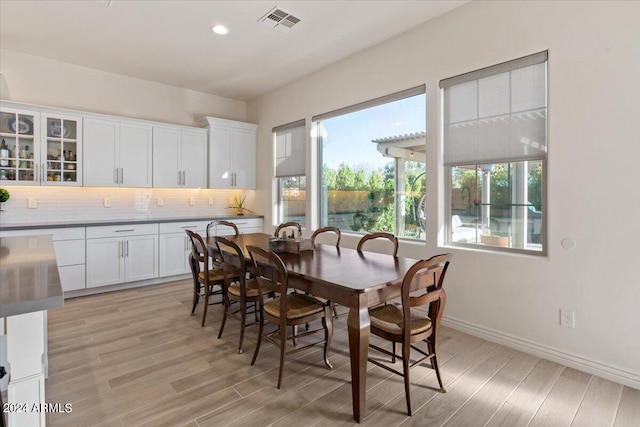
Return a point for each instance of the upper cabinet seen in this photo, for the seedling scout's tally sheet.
(40, 148)
(117, 154)
(179, 158)
(232, 153)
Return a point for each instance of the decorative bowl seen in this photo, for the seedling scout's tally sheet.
(23, 124)
(55, 130)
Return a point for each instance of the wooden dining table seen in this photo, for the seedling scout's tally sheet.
(357, 280)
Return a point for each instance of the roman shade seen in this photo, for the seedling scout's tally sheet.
(496, 114)
(289, 149)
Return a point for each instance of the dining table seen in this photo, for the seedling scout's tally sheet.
(354, 279)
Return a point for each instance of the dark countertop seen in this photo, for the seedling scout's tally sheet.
(29, 279)
(145, 220)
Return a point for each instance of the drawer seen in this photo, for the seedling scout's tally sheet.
(248, 224)
(179, 227)
(72, 277)
(57, 234)
(69, 252)
(121, 230)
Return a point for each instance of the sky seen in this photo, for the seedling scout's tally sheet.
(349, 136)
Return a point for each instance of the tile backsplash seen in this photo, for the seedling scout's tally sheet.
(67, 204)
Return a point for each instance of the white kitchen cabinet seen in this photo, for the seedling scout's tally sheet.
(232, 153)
(69, 245)
(119, 254)
(175, 246)
(40, 148)
(179, 158)
(117, 154)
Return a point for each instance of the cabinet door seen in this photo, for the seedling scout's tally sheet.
(220, 157)
(100, 153)
(174, 251)
(61, 150)
(141, 257)
(194, 159)
(20, 148)
(135, 155)
(244, 158)
(166, 158)
(105, 262)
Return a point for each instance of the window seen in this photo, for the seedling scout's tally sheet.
(289, 141)
(495, 152)
(372, 157)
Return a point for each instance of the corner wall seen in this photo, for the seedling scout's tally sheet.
(594, 105)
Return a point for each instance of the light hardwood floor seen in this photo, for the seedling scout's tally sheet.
(137, 357)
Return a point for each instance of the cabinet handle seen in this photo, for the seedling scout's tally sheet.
(122, 231)
(184, 178)
(189, 226)
(121, 175)
(127, 246)
(186, 243)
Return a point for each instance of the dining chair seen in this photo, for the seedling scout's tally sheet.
(286, 309)
(406, 324)
(290, 224)
(243, 291)
(205, 277)
(380, 235)
(323, 230)
(216, 223)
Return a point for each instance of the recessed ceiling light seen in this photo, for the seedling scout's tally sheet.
(220, 29)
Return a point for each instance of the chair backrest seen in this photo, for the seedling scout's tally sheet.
(335, 230)
(422, 285)
(288, 225)
(372, 236)
(216, 223)
(231, 256)
(198, 249)
(271, 275)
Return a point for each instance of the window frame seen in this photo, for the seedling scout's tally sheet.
(448, 178)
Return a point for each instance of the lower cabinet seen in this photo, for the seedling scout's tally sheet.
(175, 246)
(119, 254)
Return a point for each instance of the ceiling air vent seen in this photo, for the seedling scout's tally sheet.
(279, 19)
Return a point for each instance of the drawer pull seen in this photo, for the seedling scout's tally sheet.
(189, 226)
(123, 231)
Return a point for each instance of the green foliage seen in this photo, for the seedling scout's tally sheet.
(345, 179)
(4, 195)
(387, 220)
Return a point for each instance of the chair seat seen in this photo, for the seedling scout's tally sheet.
(298, 305)
(388, 318)
(251, 288)
(214, 275)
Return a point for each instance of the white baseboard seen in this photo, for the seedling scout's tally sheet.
(607, 371)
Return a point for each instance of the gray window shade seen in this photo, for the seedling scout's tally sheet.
(497, 114)
(290, 152)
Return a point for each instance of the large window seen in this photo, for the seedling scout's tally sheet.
(289, 149)
(495, 151)
(372, 157)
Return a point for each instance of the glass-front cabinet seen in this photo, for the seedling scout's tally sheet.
(39, 148)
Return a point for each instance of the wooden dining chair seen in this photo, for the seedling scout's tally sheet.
(215, 224)
(286, 309)
(323, 230)
(291, 224)
(205, 277)
(242, 291)
(406, 324)
(380, 235)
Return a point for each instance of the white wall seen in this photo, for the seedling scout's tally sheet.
(35, 80)
(594, 198)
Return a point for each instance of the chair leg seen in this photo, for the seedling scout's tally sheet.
(243, 314)
(294, 338)
(255, 353)
(206, 303)
(225, 314)
(283, 343)
(327, 323)
(406, 350)
(434, 363)
(393, 350)
(196, 297)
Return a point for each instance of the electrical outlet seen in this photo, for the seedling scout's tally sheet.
(160, 201)
(32, 203)
(192, 201)
(567, 318)
(106, 202)
(210, 200)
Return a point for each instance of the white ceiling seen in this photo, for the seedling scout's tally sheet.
(171, 42)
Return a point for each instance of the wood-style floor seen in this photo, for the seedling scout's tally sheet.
(137, 357)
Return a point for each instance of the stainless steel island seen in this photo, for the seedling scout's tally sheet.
(29, 286)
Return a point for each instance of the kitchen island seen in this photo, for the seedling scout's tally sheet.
(29, 286)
